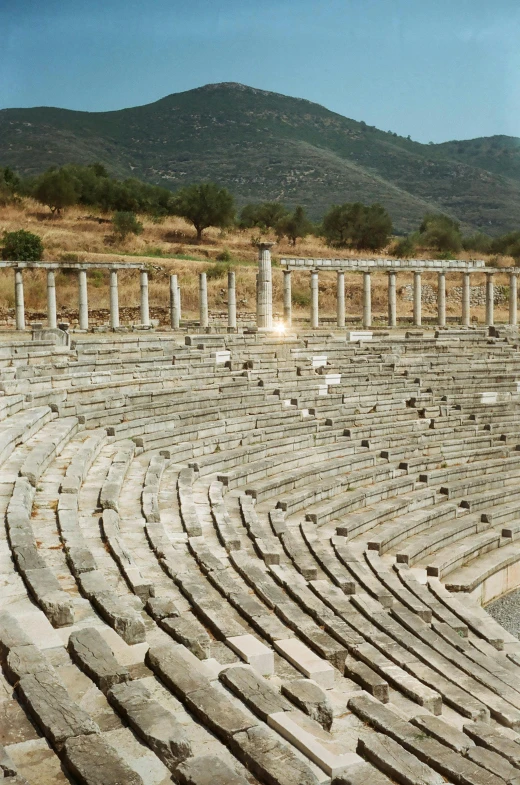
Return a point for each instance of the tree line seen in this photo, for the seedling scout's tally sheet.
(350, 225)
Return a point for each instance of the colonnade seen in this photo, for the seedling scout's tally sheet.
(392, 298)
(264, 298)
(83, 319)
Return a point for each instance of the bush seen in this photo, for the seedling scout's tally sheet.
(357, 226)
(22, 246)
(441, 233)
(224, 256)
(217, 271)
(126, 223)
(57, 190)
(294, 226)
(404, 248)
(204, 205)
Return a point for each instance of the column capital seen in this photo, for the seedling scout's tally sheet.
(265, 246)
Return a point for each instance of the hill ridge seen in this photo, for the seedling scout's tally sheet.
(265, 145)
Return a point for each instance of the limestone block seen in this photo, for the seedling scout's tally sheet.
(254, 652)
(318, 746)
(256, 692)
(50, 705)
(208, 770)
(159, 728)
(271, 760)
(308, 696)
(95, 762)
(93, 654)
(308, 663)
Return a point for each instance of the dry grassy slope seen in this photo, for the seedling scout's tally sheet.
(81, 235)
(267, 146)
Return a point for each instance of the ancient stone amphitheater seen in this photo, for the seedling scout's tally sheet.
(250, 558)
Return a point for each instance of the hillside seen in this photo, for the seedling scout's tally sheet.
(264, 145)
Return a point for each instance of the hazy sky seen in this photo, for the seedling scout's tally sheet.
(434, 69)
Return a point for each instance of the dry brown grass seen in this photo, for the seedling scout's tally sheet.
(79, 233)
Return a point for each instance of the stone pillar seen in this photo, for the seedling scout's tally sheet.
(417, 296)
(340, 284)
(367, 301)
(232, 301)
(145, 310)
(287, 298)
(314, 299)
(18, 299)
(441, 298)
(466, 299)
(52, 322)
(490, 300)
(114, 300)
(392, 301)
(82, 300)
(203, 301)
(175, 311)
(264, 311)
(513, 299)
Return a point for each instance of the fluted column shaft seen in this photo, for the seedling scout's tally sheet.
(314, 299)
(287, 298)
(232, 301)
(264, 311)
(466, 299)
(203, 301)
(513, 299)
(82, 300)
(145, 310)
(490, 300)
(417, 299)
(175, 315)
(19, 301)
(367, 301)
(441, 298)
(340, 286)
(114, 300)
(392, 301)
(51, 300)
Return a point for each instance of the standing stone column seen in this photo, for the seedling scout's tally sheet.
(264, 310)
(417, 296)
(490, 300)
(82, 300)
(314, 299)
(51, 300)
(18, 299)
(466, 299)
(441, 298)
(287, 298)
(114, 300)
(513, 299)
(340, 284)
(203, 301)
(145, 310)
(175, 311)
(392, 301)
(232, 301)
(367, 301)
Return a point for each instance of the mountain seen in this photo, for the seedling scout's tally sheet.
(264, 145)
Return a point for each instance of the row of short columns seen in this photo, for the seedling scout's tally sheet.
(52, 321)
(264, 298)
(392, 299)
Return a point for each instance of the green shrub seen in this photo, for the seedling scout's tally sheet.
(69, 257)
(22, 246)
(217, 271)
(224, 256)
(125, 223)
(404, 248)
(300, 298)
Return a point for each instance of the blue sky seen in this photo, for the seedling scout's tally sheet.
(433, 69)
